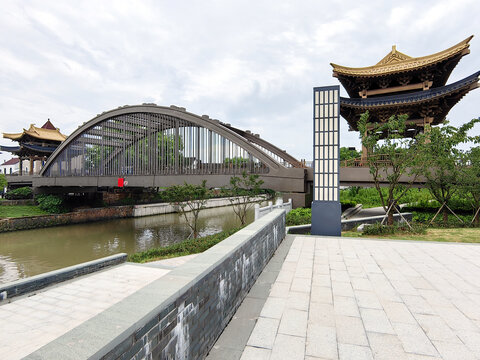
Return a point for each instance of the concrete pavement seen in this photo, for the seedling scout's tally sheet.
(29, 322)
(340, 298)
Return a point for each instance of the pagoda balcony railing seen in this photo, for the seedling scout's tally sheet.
(363, 162)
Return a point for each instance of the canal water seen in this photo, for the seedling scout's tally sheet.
(31, 252)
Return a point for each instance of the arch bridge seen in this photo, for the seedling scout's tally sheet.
(155, 146)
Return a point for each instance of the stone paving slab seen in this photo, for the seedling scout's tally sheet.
(29, 323)
(341, 298)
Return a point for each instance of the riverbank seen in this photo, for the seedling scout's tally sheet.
(186, 247)
(31, 252)
(101, 214)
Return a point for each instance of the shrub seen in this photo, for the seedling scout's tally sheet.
(299, 216)
(51, 203)
(396, 228)
(20, 193)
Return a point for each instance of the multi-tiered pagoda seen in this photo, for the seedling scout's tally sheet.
(400, 84)
(35, 144)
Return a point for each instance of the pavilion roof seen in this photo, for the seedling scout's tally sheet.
(396, 61)
(43, 133)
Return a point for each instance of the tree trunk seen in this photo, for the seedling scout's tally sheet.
(390, 217)
(445, 216)
(477, 219)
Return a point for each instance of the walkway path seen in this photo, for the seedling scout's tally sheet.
(29, 323)
(340, 298)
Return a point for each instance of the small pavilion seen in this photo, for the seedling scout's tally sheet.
(34, 144)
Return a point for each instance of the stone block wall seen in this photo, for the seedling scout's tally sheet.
(180, 315)
(77, 217)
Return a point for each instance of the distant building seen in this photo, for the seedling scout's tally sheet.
(35, 144)
(10, 167)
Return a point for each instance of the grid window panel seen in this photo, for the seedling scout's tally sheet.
(326, 143)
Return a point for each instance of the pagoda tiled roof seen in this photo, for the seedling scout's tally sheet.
(38, 133)
(395, 62)
(411, 98)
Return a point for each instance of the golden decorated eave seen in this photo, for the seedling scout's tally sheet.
(37, 133)
(395, 62)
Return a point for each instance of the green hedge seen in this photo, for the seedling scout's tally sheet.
(20, 193)
(299, 216)
(51, 203)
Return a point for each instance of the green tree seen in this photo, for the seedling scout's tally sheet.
(94, 154)
(348, 154)
(439, 161)
(190, 199)
(237, 162)
(3, 182)
(390, 155)
(241, 191)
(165, 148)
(471, 180)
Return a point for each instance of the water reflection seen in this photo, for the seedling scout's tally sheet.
(30, 252)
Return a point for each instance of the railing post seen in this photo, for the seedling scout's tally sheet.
(257, 212)
(270, 206)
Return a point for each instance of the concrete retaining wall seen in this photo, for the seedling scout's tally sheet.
(37, 282)
(180, 315)
(166, 208)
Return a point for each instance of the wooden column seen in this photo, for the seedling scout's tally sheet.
(426, 127)
(21, 167)
(364, 151)
(31, 165)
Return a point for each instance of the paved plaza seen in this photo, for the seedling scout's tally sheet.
(28, 323)
(340, 298)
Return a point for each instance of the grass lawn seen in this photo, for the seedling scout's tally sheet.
(20, 211)
(467, 235)
(186, 247)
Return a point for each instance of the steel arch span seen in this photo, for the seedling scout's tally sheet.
(151, 145)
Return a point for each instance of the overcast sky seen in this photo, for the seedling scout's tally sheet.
(249, 63)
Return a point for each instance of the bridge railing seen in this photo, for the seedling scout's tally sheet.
(279, 204)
